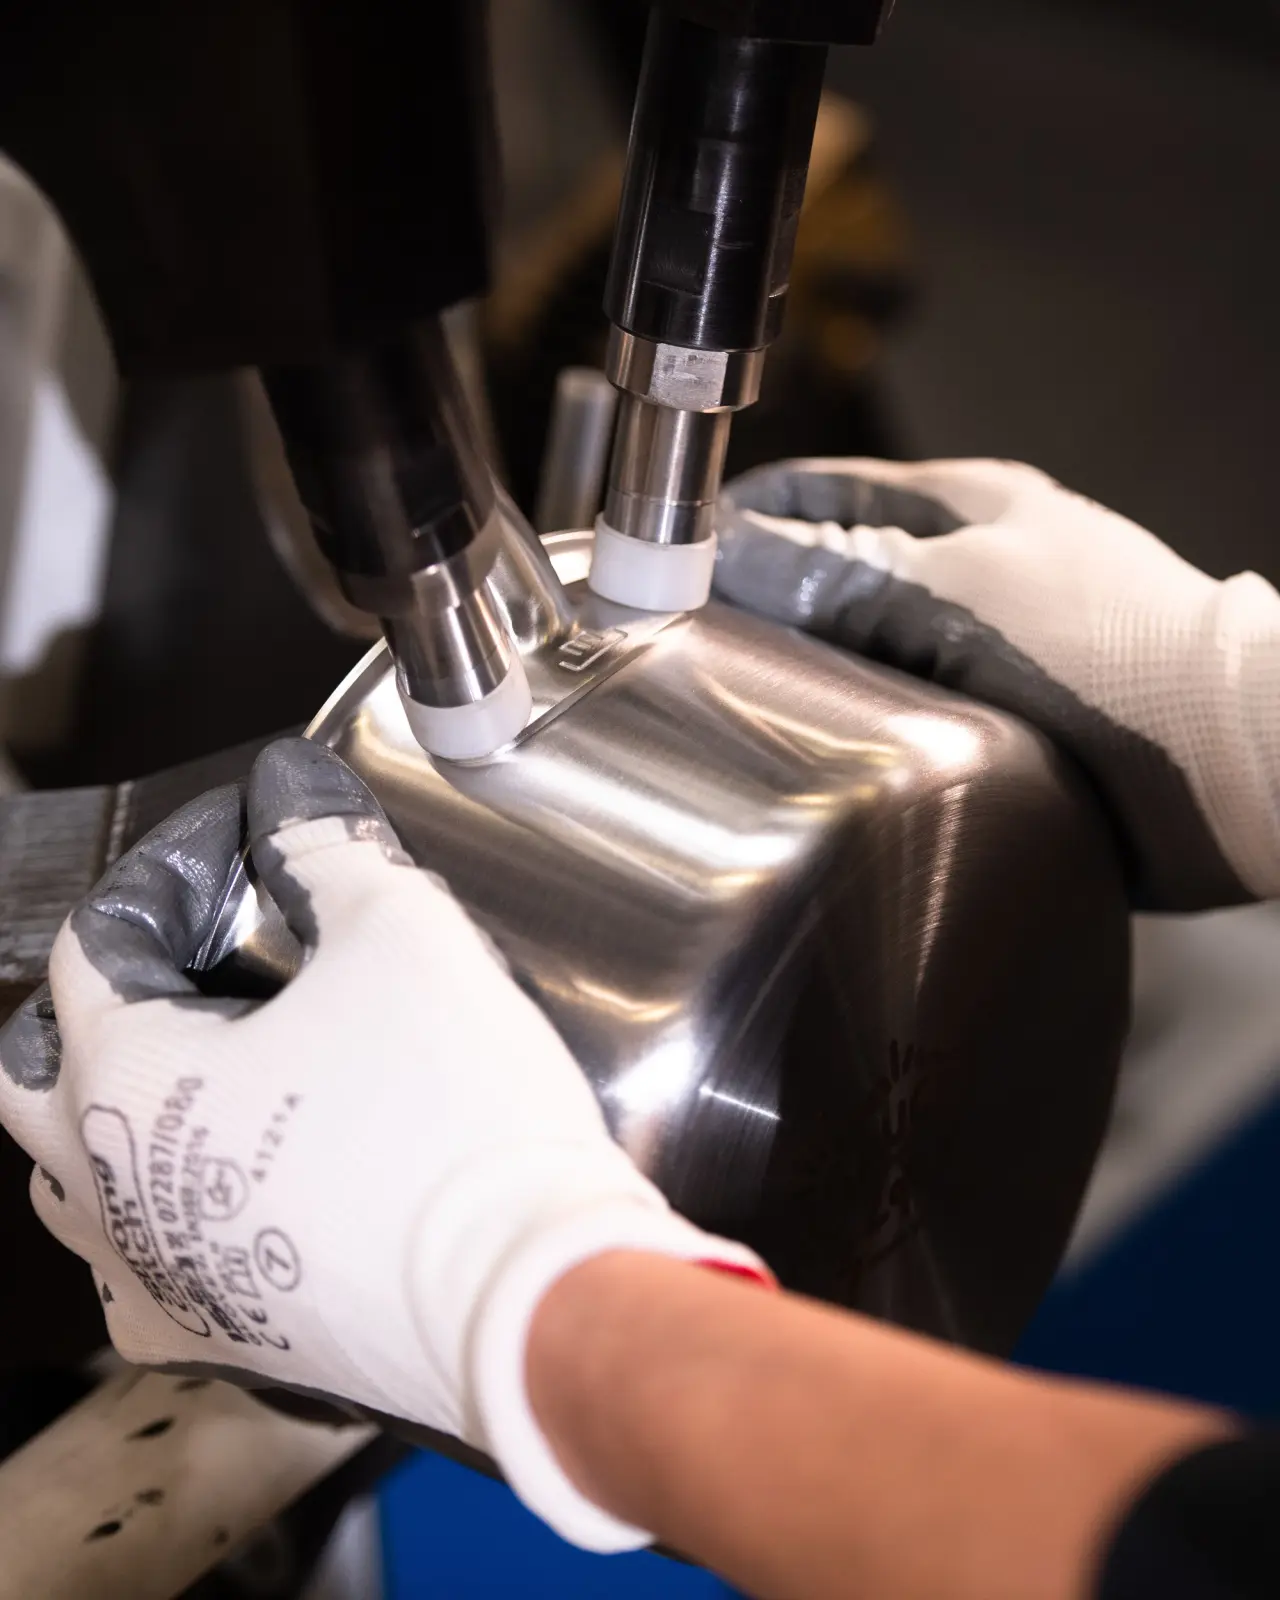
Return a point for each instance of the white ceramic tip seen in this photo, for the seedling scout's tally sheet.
(651, 577)
(464, 733)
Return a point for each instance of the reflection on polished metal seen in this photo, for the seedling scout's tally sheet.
(664, 479)
(577, 449)
(450, 655)
(844, 957)
(524, 585)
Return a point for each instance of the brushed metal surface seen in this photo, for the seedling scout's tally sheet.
(845, 957)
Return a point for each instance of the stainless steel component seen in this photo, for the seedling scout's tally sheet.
(689, 380)
(845, 957)
(451, 655)
(577, 450)
(524, 585)
(382, 445)
(672, 435)
(456, 649)
(664, 478)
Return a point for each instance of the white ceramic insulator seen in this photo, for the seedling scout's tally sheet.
(465, 733)
(651, 577)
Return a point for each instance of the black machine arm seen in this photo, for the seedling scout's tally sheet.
(716, 170)
(304, 185)
(300, 186)
(257, 181)
(800, 21)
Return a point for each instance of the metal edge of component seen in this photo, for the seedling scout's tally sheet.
(681, 377)
(570, 550)
(601, 639)
(559, 674)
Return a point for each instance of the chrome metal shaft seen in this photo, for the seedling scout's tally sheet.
(450, 655)
(577, 449)
(665, 474)
(383, 449)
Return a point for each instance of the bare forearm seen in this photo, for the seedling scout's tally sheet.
(804, 1453)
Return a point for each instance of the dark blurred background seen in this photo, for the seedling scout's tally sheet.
(1092, 189)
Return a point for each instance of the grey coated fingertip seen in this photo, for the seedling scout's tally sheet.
(293, 782)
(767, 574)
(30, 1044)
(149, 916)
(799, 585)
(297, 780)
(1172, 860)
(292, 897)
(270, 856)
(842, 497)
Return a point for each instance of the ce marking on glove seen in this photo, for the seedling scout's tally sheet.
(223, 1190)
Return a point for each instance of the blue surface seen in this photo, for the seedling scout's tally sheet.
(1187, 1300)
(449, 1534)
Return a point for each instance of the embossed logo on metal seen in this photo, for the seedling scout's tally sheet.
(587, 648)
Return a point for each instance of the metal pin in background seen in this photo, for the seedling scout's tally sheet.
(577, 450)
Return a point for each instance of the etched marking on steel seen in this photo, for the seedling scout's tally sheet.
(587, 648)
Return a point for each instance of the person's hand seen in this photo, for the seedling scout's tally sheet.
(360, 1188)
(990, 579)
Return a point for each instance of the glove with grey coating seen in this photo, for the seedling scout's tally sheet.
(990, 579)
(360, 1188)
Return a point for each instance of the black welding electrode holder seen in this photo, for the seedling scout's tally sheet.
(716, 170)
(384, 455)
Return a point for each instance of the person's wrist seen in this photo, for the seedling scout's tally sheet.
(498, 1346)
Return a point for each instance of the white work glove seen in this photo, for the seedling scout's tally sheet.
(990, 579)
(360, 1188)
